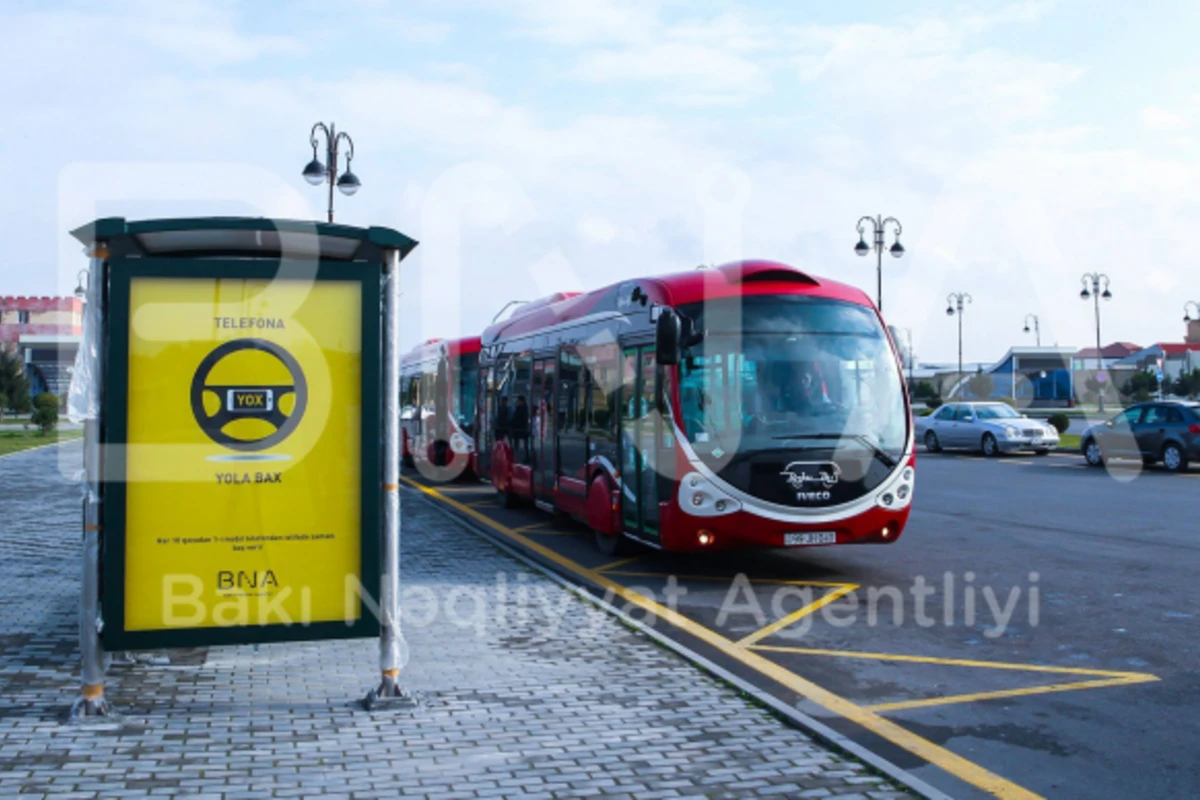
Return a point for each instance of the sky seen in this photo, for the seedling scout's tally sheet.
(535, 146)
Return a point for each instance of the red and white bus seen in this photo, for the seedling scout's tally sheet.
(748, 405)
(438, 380)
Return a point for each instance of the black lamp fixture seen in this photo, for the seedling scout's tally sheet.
(317, 173)
(955, 303)
(1036, 327)
(1092, 289)
(879, 230)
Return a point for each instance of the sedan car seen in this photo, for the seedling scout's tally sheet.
(991, 428)
(1157, 431)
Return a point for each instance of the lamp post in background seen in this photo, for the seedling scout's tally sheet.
(316, 173)
(1095, 280)
(879, 228)
(1188, 317)
(955, 303)
(1037, 331)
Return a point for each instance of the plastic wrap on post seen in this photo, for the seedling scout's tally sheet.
(393, 649)
(83, 396)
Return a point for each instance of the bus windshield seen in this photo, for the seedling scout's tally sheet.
(784, 372)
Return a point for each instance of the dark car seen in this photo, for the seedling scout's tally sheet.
(1165, 431)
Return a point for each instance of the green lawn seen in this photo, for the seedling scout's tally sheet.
(1068, 441)
(13, 441)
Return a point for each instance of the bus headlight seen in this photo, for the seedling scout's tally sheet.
(699, 497)
(461, 444)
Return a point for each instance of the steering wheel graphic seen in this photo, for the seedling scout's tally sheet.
(248, 400)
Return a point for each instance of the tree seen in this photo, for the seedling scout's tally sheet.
(924, 389)
(1140, 387)
(1187, 384)
(981, 384)
(45, 412)
(3, 404)
(13, 383)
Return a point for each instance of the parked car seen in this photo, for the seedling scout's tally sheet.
(992, 428)
(1166, 431)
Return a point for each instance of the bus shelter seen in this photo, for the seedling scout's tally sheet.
(238, 382)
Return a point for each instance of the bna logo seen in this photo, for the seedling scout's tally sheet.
(248, 394)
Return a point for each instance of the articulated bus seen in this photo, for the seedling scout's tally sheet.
(747, 405)
(438, 379)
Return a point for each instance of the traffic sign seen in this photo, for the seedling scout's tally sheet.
(1101, 377)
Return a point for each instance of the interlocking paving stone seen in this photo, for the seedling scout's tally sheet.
(538, 695)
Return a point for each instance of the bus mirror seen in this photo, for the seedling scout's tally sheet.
(667, 338)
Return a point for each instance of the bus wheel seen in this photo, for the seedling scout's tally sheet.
(614, 544)
(509, 499)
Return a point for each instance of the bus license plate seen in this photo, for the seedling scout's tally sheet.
(818, 537)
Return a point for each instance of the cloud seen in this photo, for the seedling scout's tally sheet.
(1160, 119)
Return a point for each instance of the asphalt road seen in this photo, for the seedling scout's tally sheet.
(1077, 676)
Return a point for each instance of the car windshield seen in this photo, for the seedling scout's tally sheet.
(996, 411)
(779, 372)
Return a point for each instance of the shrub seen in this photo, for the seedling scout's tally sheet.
(933, 403)
(45, 412)
(1060, 422)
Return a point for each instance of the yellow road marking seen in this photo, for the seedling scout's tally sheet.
(977, 696)
(959, 662)
(719, 578)
(795, 616)
(525, 528)
(620, 563)
(952, 763)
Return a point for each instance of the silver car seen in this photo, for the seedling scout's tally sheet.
(992, 428)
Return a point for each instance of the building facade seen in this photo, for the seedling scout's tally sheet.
(44, 332)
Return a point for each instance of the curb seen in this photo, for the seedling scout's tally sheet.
(39, 447)
(816, 729)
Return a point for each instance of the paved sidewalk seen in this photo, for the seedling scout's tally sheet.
(526, 691)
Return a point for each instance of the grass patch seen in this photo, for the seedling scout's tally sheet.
(15, 441)
(1068, 441)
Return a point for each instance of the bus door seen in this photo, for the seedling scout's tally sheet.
(571, 424)
(485, 421)
(640, 435)
(542, 400)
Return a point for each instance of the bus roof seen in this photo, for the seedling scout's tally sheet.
(431, 348)
(676, 289)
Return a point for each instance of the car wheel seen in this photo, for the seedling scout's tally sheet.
(990, 448)
(612, 544)
(931, 442)
(1092, 453)
(1173, 458)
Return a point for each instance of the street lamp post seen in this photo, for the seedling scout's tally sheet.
(1191, 304)
(879, 229)
(316, 173)
(1095, 280)
(954, 305)
(1037, 331)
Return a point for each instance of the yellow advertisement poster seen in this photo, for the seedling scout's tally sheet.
(243, 463)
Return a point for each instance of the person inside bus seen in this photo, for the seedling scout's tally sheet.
(803, 393)
(520, 430)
